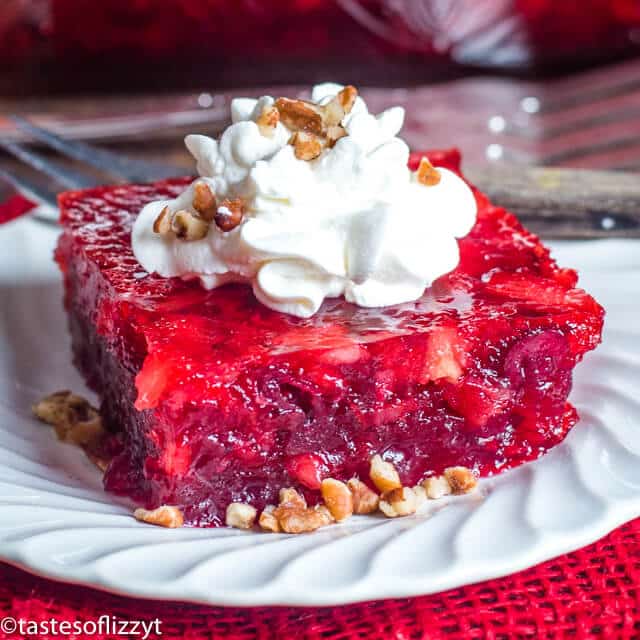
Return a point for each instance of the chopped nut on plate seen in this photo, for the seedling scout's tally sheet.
(164, 516)
(268, 521)
(240, 515)
(295, 519)
(290, 495)
(365, 500)
(83, 433)
(74, 419)
(293, 515)
(63, 407)
(338, 499)
(76, 422)
(420, 494)
(461, 480)
(324, 513)
(436, 487)
(384, 475)
(398, 502)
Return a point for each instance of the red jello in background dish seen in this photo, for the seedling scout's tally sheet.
(491, 32)
(178, 28)
(505, 33)
(213, 398)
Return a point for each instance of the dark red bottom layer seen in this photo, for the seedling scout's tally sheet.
(421, 442)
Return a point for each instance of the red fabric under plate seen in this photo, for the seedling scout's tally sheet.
(591, 593)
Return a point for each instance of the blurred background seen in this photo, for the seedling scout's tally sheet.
(69, 45)
(551, 82)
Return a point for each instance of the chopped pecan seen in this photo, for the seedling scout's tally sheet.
(268, 521)
(325, 514)
(162, 224)
(436, 487)
(295, 519)
(347, 98)
(334, 134)
(315, 127)
(398, 502)
(335, 110)
(164, 516)
(338, 498)
(365, 500)
(204, 201)
(333, 113)
(421, 495)
(461, 480)
(294, 516)
(427, 174)
(268, 121)
(384, 475)
(76, 422)
(74, 419)
(63, 406)
(229, 214)
(290, 495)
(83, 434)
(299, 115)
(240, 515)
(188, 226)
(306, 146)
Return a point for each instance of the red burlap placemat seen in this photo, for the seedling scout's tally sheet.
(591, 593)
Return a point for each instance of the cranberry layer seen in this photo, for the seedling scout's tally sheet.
(214, 398)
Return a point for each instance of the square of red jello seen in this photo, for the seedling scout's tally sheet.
(213, 398)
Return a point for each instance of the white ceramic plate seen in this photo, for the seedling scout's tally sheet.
(55, 519)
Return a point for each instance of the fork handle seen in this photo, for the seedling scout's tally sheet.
(566, 203)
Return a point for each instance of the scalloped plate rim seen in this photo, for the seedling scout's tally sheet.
(293, 600)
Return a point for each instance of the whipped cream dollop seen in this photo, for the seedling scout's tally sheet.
(354, 221)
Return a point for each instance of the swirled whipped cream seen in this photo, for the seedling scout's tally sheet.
(309, 209)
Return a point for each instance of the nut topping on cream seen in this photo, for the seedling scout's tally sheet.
(427, 174)
(229, 214)
(204, 201)
(268, 121)
(189, 226)
(306, 200)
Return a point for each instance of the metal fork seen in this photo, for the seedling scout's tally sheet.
(114, 166)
